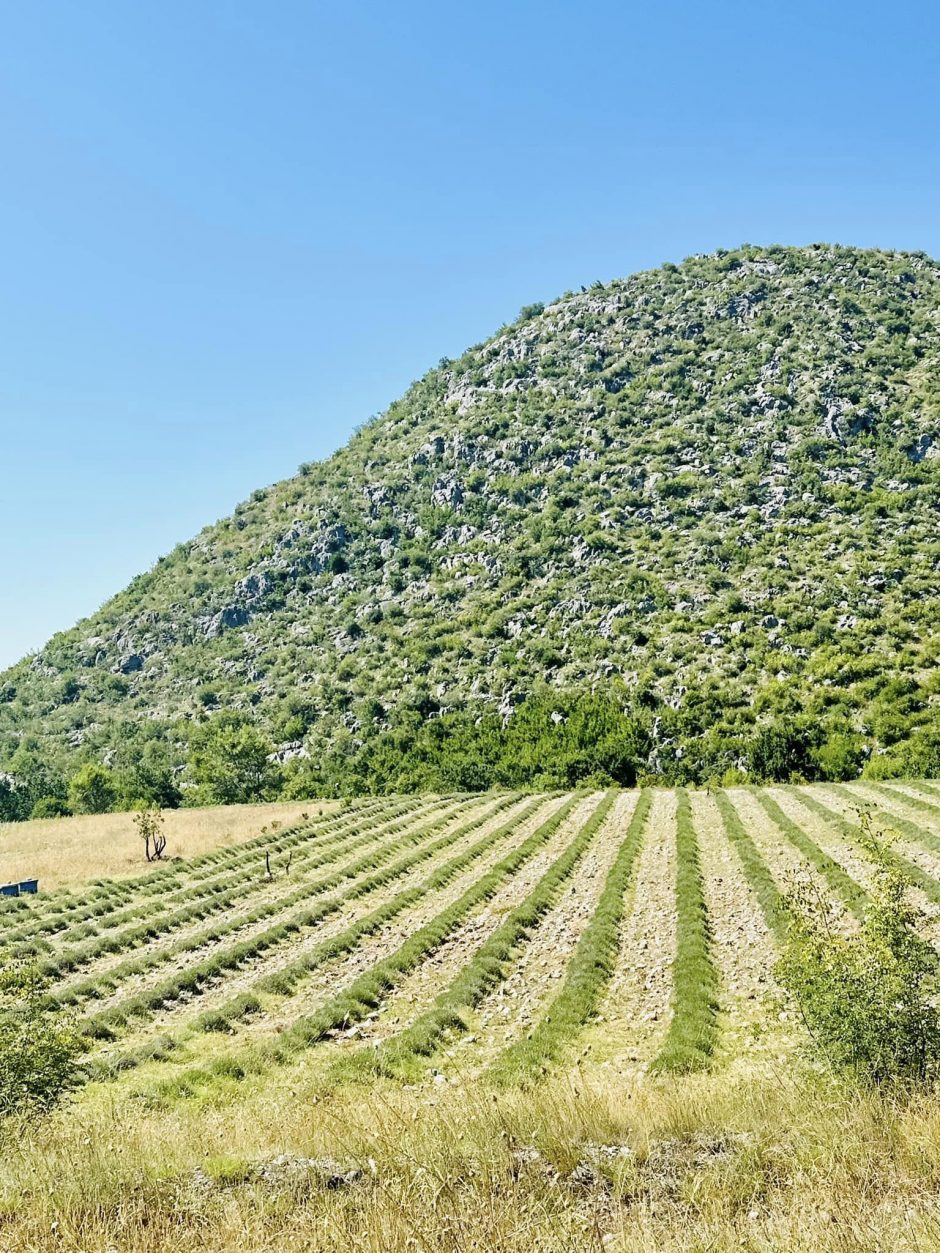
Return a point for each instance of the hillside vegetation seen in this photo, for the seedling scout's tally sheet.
(504, 1022)
(706, 494)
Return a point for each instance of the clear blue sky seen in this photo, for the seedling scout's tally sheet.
(231, 231)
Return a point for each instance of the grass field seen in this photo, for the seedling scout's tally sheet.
(63, 851)
(472, 1022)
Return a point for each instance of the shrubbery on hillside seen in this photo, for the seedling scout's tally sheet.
(716, 484)
(551, 740)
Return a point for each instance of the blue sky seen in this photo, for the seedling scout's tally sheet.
(232, 231)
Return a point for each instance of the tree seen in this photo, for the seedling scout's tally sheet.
(9, 802)
(31, 779)
(149, 823)
(93, 790)
(229, 760)
(153, 777)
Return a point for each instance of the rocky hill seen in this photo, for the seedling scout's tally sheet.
(709, 491)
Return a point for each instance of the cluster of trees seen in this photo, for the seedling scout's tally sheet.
(224, 761)
(551, 740)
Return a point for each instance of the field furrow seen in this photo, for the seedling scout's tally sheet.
(634, 1013)
(247, 877)
(65, 910)
(843, 807)
(511, 1007)
(588, 972)
(746, 921)
(260, 902)
(257, 989)
(797, 850)
(836, 839)
(421, 985)
(209, 956)
(352, 1004)
(914, 819)
(486, 965)
(492, 937)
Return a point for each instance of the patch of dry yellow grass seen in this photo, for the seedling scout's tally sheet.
(61, 851)
(707, 1162)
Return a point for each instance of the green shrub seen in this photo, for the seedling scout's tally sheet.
(50, 807)
(867, 998)
(38, 1044)
(93, 790)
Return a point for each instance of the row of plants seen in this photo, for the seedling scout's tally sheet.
(60, 908)
(910, 870)
(588, 972)
(693, 1026)
(489, 965)
(284, 980)
(365, 994)
(235, 890)
(762, 883)
(852, 894)
(194, 976)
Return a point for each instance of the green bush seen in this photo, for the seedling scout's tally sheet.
(866, 998)
(38, 1044)
(50, 807)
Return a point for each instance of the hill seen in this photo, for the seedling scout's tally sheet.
(669, 527)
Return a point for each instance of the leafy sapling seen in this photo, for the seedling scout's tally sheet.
(866, 998)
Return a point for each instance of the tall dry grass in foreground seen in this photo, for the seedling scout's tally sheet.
(61, 851)
(704, 1162)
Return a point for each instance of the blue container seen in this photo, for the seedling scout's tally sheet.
(10, 889)
(29, 885)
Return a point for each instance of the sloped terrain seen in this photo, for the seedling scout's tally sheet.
(708, 491)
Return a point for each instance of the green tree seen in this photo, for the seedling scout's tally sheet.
(93, 790)
(152, 777)
(229, 761)
(32, 780)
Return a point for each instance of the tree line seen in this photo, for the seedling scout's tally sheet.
(551, 740)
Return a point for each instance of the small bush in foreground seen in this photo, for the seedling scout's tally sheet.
(867, 998)
(38, 1045)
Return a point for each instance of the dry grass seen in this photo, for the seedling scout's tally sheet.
(707, 1162)
(61, 851)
